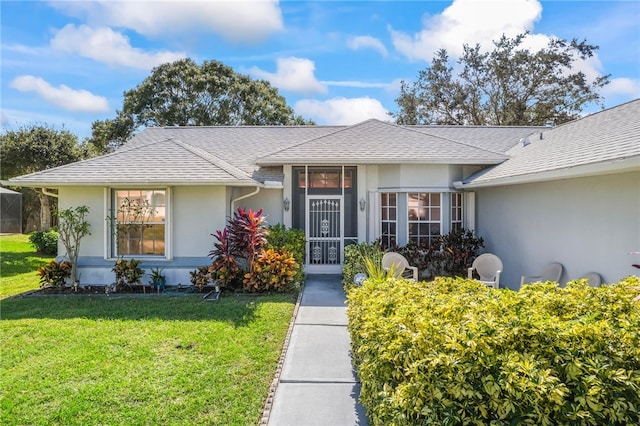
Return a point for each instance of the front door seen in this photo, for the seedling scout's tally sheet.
(324, 230)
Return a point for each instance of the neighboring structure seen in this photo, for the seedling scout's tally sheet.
(569, 194)
(10, 211)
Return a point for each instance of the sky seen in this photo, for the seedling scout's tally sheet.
(65, 64)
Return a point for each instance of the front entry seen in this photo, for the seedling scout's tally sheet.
(324, 205)
(325, 230)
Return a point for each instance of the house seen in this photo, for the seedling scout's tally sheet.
(569, 193)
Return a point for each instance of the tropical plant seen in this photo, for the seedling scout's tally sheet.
(128, 273)
(354, 259)
(452, 254)
(292, 240)
(238, 246)
(272, 270)
(54, 274)
(158, 280)
(72, 227)
(200, 277)
(45, 242)
(224, 269)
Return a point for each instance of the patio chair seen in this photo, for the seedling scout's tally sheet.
(399, 265)
(550, 273)
(595, 280)
(489, 267)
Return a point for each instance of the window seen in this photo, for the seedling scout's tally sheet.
(423, 217)
(456, 211)
(389, 205)
(139, 222)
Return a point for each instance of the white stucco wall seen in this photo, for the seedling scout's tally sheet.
(196, 213)
(270, 201)
(587, 224)
(414, 176)
(94, 199)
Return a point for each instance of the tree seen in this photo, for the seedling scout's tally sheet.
(507, 86)
(34, 148)
(73, 226)
(183, 93)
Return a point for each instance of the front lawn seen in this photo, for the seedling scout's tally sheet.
(19, 262)
(139, 361)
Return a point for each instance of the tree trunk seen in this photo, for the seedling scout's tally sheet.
(45, 212)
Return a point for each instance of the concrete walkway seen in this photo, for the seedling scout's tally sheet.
(317, 385)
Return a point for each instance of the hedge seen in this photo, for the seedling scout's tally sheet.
(454, 352)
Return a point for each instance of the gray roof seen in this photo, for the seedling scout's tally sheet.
(251, 155)
(606, 140)
(379, 142)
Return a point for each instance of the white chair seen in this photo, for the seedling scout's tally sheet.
(489, 267)
(594, 279)
(398, 264)
(552, 272)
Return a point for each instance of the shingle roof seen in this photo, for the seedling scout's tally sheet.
(378, 142)
(250, 155)
(163, 162)
(604, 137)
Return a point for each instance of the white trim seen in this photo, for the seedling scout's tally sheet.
(604, 168)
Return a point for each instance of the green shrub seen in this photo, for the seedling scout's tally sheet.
(54, 274)
(45, 242)
(128, 273)
(200, 277)
(293, 241)
(453, 351)
(354, 259)
(452, 254)
(272, 270)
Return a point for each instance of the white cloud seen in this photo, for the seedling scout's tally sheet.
(470, 22)
(622, 86)
(367, 42)
(108, 46)
(237, 21)
(342, 111)
(294, 74)
(62, 96)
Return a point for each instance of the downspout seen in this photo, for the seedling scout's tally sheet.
(45, 191)
(242, 197)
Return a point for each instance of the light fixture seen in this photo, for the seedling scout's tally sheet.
(359, 278)
(363, 204)
(286, 204)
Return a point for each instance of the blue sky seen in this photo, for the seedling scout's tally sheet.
(68, 63)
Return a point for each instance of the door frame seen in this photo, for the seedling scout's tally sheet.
(324, 268)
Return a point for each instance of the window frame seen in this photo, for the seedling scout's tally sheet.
(113, 221)
(428, 221)
(456, 204)
(389, 239)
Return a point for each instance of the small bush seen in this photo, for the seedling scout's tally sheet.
(54, 274)
(452, 254)
(200, 277)
(45, 242)
(354, 260)
(272, 270)
(453, 351)
(292, 240)
(128, 273)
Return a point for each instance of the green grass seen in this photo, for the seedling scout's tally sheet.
(18, 265)
(154, 360)
(138, 361)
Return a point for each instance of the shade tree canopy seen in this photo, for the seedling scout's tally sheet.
(510, 85)
(183, 93)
